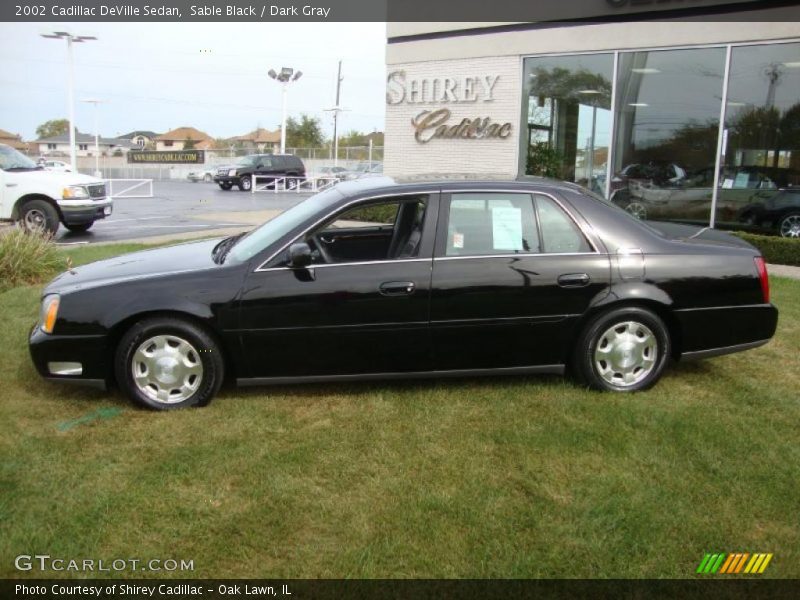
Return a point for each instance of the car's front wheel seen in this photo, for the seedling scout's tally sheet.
(226, 186)
(166, 363)
(622, 350)
(39, 216)
(245, 183)
(207, 178)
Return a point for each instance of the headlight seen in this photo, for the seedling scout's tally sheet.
(74, 192)
(232, 172)
(49, 312)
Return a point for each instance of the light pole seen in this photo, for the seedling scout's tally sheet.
(285, 77)
(65, 35)
(95, 101)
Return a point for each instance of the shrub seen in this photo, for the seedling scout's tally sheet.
(775, 250)
(27, 258)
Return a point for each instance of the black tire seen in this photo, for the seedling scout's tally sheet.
(204, 352)
(245, 183)
(39, 215)
(789, 225)
(207, 178)
(588, 366)
(80, 227)
(226, 186)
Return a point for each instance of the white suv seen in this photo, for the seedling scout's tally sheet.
(40, 199)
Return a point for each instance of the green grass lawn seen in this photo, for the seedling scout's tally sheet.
(511, 477)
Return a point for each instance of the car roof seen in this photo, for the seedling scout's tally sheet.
(450, 182)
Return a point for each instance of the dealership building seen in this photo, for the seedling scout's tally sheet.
(688, 117)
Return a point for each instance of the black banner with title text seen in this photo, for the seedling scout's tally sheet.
(498, 11)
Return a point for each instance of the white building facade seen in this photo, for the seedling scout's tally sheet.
(651, 113)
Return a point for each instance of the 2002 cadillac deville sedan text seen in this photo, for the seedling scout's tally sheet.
(383, 279)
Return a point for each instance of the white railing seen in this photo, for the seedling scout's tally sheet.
(274, 184)
(129, 188)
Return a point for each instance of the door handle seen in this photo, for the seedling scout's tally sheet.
(397, 288)
(573, 280)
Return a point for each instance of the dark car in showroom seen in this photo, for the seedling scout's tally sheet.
(266, 167)
(386, 279)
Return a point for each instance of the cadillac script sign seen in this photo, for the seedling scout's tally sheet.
(437, 123)
(167, 157)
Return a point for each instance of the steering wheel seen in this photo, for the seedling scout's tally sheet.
(323, 251)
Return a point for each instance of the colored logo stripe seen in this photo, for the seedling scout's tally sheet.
(736, 562)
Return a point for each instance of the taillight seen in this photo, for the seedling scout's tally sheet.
(761, 267)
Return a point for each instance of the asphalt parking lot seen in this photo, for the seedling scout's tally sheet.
(183, 209)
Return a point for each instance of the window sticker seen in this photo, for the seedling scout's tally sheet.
(506, 228)
(458, 240)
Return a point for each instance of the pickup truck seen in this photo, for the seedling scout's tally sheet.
(41, 200)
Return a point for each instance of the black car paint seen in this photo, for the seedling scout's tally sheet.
(473, 314)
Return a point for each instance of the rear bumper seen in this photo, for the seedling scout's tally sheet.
(723, 330)
(78, 212)
(90, 351)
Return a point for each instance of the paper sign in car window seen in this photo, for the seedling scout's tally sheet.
(506, 228)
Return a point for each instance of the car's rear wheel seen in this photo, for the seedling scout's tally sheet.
(166, 363)
(226, 186)
(245, 183)
(789, 226)
(622, 350)
(79, 227)
(207, 178)
(637, 209)
(39, 216)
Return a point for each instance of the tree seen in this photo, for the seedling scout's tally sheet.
(53, 128)
(188, 144)
(305, 133)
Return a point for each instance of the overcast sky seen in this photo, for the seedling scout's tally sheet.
(159, 76)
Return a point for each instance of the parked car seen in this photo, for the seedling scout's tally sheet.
(41, 200)
(381, 279)
(363, 169)
(55, 165)
(337, 172)
(266, 166)
(206, 175)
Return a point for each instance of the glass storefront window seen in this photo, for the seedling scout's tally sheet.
(760, 170)
(666, 130)
(567, 114)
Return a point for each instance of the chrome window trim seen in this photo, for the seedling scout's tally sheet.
(350, 264)
(498, 190)
(519, 255)
(583, 231)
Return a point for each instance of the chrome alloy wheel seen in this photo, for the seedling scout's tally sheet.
(35, 220)
(167, 369)
(626, 353)
(638, 210)
(790, 226)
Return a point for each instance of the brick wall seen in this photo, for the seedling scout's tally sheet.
(404, 155)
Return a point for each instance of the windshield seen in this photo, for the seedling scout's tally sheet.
(273, 230)
(13, 159)
(247, 161)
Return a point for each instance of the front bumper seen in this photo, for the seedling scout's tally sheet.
(78, 212)
(227, 179)
(91, 351)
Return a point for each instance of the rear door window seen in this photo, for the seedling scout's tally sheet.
(560, 234)
(491, 223)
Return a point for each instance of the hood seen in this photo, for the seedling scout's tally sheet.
(192, 256)
(59, 178)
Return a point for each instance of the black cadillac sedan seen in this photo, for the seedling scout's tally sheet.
(387, 279)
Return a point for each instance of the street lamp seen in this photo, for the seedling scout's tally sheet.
(65, 35)
(95, 101)
(286, 76)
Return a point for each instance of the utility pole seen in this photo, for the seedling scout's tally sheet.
(336, 110)
(96, 136)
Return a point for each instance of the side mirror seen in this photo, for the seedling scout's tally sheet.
(299, 255)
